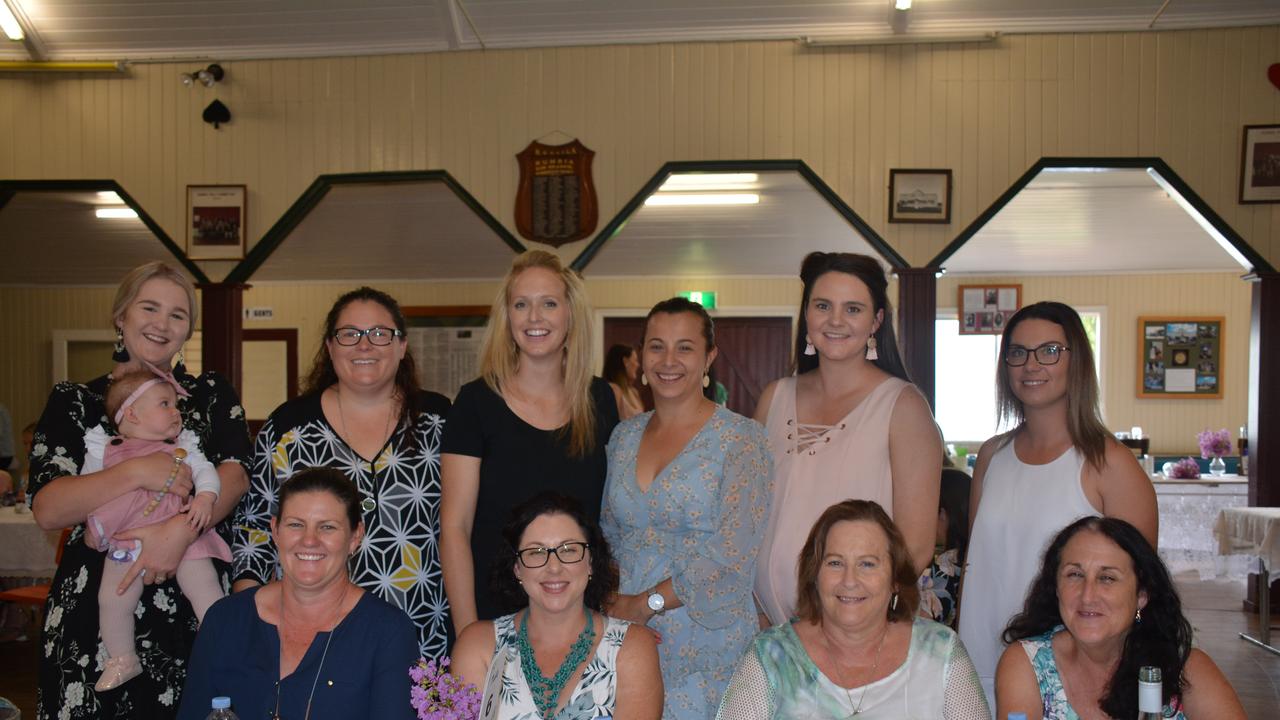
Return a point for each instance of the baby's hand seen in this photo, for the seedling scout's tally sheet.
(200, 510)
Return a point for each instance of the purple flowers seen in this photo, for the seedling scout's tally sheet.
(1214, 444)
(437, 694)
(1185, 469)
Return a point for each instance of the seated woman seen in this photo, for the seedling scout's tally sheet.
(940, 584)
(855, 648)
(312, 644)
(601, 667)
(1102, 606)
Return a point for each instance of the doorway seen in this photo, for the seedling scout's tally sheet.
(753, 351)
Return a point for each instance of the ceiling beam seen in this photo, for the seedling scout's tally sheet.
(30, 38)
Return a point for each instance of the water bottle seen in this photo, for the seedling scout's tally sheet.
(1150, 693)
(222, 709)
(1017, 716)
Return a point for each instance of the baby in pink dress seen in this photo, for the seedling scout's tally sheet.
(144, 405)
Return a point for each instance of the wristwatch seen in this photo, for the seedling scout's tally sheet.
(656, 602)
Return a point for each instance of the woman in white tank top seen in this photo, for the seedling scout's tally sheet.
(849, 425)
(1058, 464)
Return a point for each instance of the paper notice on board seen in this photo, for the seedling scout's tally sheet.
(446, 357)
(1008, 299)
(972, 300)
(1180, 380)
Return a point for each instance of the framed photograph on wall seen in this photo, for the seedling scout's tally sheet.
(984, 309)
(1260, 164)
(1180, 357)
(216, 222)
(919, 196)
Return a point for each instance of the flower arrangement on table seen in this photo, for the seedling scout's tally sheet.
(438, 694)
(1185, 469)
(1214, 445)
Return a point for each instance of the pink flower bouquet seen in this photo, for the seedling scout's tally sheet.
(1214, 444)
(1185, 469)
(438, 694)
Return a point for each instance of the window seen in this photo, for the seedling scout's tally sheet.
(965, 377)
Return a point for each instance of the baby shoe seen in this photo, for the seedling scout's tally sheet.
(118, 671)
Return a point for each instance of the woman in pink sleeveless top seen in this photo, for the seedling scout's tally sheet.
(849, 424)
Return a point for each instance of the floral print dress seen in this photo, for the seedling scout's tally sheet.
(595, 695)
(1039, 651)
(699, 523)
(72, 654)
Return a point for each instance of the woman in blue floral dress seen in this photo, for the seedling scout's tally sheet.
(685, 507)
(154, 312)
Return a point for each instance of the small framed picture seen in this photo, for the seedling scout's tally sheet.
(919, 196)
(986, 309)
(1260, 164)
(216, 220)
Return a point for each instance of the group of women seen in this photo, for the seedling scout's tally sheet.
(595, 560)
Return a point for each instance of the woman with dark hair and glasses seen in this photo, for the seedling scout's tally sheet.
(363, 413)
(1058, 464)
(1102, 607)
(559, 655)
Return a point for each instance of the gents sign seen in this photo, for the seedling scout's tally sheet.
(556, 200)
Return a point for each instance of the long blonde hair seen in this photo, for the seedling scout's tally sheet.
(500, 356)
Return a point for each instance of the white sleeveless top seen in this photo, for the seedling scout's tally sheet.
(815, 467)
(1022, 508)
(593, 697)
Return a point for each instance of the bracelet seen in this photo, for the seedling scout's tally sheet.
(178, 456)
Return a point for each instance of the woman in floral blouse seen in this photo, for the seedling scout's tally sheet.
(154, 313)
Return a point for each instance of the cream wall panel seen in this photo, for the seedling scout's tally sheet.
(1171, 424)
(985, 111)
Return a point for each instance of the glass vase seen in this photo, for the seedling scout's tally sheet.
(1217, 467)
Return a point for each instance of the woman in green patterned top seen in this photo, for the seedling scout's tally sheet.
(560, 657)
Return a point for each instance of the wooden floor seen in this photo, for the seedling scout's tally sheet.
(1212, 606)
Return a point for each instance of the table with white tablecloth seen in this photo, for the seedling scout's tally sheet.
(25, 550)
(1254, 531)
(1187, 509)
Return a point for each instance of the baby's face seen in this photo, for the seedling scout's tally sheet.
(156, 415)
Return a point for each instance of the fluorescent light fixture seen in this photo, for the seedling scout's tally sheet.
(702, 180)
(9, 23)
(116, 212)
(1201, 220)
(691, 199)
(109, 196)
(901, 4)
(904, 39)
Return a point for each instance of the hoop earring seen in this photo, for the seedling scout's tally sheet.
(808, 347)
(871, 349)
(120, 353)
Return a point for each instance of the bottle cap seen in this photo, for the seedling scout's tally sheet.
(221, 702)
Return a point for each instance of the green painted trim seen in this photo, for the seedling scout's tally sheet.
(1260, 263)
(276, 235)
(15, 186)
(614, 226)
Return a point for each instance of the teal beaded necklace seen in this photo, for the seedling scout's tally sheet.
(546, 691)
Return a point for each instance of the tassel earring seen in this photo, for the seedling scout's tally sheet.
(706, 380)
(871, 349)
(182, 359)
(893, 604)
(120, 353)
(808, 347)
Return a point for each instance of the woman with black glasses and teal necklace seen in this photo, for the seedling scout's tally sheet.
(363, 413)
(1059, 463)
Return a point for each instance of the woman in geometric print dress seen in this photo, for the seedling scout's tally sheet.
(153, 312)
(362, 413)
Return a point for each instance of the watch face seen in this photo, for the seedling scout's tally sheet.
(656, 602)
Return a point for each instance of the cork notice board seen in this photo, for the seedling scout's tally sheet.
(1180, 357)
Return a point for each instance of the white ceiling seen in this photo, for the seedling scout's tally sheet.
(1091, 221)
(389, 231)
(231, 29)
(53, 238)
(770, 238)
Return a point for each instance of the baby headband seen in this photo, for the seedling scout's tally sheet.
(162, 376)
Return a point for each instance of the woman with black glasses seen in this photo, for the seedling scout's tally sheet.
(362, 412)
(1058, 464)
(559, 655)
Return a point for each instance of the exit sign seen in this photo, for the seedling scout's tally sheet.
(702, 297)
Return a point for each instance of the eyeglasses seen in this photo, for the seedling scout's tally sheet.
(568, 553)
(1047, 354)
(348, 336)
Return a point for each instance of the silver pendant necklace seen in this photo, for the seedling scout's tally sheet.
(315, 682)
(863, 695)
